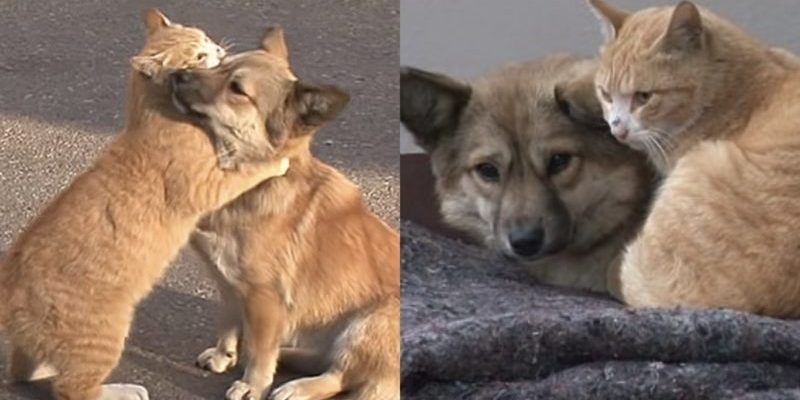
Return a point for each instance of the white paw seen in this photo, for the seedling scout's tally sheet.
(284, 165)
(121, 391)
(216, 361)
(240, 391)
(292, 390)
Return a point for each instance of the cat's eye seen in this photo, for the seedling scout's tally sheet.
(237, 88)
(488, 172)
(557, 163)
(604, 94)
(201, 56)
(641, 98)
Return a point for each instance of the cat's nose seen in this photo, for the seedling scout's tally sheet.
(621, 133)
(616, 122)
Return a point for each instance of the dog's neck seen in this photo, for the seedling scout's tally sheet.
(307, 178)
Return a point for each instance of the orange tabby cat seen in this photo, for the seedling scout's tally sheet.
(71, 281)
(718, 113)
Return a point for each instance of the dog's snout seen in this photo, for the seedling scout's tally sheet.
(181, 77)
(526, 241)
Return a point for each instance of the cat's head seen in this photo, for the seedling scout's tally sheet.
(655, 74)
(170, 46)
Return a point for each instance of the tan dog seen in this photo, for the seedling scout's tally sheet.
(71, 281)
(302, 259)
(524, 162)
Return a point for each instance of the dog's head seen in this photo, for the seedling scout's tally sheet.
(523, 159)
(255, 100)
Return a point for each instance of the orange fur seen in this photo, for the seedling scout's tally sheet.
(723, 230)
(301, 258)
(70, 282)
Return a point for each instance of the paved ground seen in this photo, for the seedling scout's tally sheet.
(62, 84)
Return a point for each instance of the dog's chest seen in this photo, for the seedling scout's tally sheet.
(222, 251)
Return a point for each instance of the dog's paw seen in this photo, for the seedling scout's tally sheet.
(216, 361)
(240, 391)
(297, 389)
(120, 391)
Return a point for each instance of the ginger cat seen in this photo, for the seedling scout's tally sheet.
(71, 281)
(716, 111)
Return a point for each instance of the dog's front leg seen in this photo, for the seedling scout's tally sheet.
(219, 259)
(265, 316)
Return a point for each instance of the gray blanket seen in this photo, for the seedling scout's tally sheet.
(476, 327)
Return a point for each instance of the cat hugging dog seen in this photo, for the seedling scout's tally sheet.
(71, 281)
(319, 274)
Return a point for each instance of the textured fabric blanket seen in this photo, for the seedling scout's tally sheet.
(476, 327)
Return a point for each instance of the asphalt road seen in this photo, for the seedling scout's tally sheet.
(63, 71)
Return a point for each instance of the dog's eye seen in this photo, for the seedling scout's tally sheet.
(237, 88)
(201, 56)
(558, 163)
(488, 172)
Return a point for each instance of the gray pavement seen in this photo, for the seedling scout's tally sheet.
(63, 71)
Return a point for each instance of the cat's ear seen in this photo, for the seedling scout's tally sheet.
(147, 65)
(431, 105)
(274, 42)
(685, 29)
(610, 17)
(578, 101)
(155, 20)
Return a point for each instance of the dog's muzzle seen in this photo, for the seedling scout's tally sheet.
(179, 82)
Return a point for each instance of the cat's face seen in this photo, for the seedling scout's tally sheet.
(647, 98)
(653, 79)
(171, 46)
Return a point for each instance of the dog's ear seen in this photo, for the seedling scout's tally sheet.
(274, 42)
(315, 105)
(308, 107)
(155, 20)
(431, 105)
(578, 101)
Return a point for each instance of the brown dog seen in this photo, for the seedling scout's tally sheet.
(302, 259)
(525, 163)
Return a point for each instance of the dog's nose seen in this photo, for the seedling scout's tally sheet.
(526, 241)
(181, 77)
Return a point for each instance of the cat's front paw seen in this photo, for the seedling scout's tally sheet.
(283, 166)
(240, 391)
(120, 391)
(216, 361)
